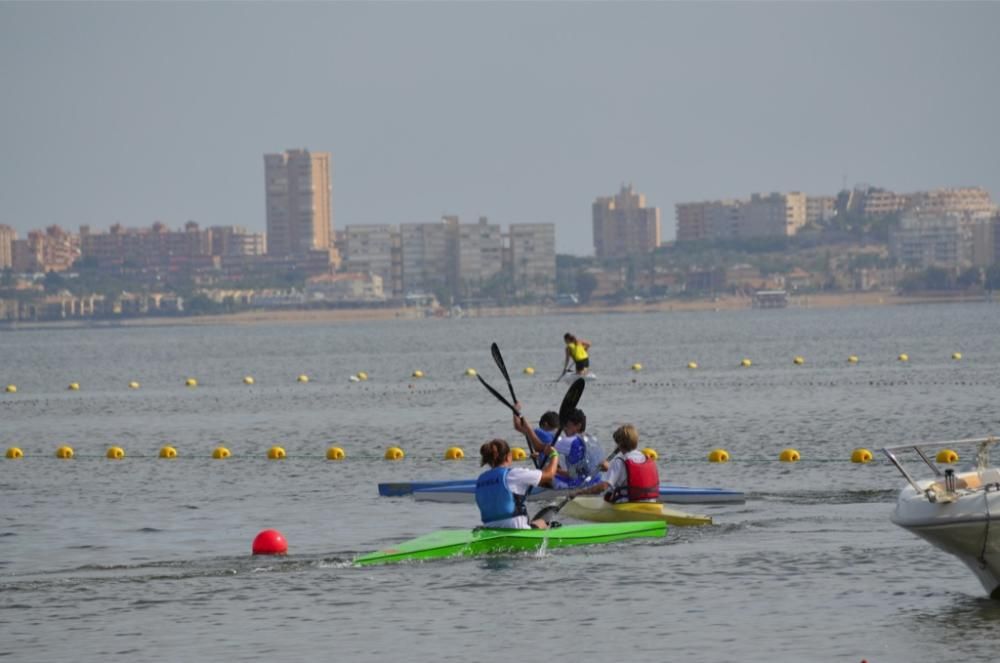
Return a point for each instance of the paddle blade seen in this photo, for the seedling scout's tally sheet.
(497, 394)
(498, 358)
(571, 399)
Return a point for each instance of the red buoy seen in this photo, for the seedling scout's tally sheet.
(270, 542)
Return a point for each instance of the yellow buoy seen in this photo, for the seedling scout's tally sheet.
(418, 373)
(454, 453)
(362, 376)
(798, 360)
(335, 453)
(221, 453)
(248, 379)
(13, 453)
(133, 385)
(861, 455)
(190, 382)
(115, 453)
(692, 365)
(168, 452)
(718, 456)
(650, 453)
(74, 386)
(394, 453)
(904, 357)
(789, 456)
(956, 355)
(853, 359)
(276, 453)
(11, 389)
(303, 378)
(517, 453)
(746, 363)
(529, 370)
(947, 456)
(471, 372)
(64, 452)
(636, 367)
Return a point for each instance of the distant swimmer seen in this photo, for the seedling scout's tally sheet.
(576, 351)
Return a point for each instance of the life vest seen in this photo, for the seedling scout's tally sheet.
(577, 351)
(575, 459)
(643, 482)
(495, 500)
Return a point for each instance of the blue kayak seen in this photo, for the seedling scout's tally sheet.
(464, 490)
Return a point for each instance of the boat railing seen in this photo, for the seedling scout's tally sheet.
(982, 455)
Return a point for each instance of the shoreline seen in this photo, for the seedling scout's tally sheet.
(326, 316)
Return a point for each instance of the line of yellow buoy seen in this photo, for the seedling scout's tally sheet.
(362, 376)
(395, 453)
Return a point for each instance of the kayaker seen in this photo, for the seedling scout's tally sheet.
(547, 426)
(502, 489)
(574, 463)
(576, 352)
(630, 476)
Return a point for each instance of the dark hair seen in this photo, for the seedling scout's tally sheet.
(579, 418)
(494, 452)
(569, 337)
(549, 420)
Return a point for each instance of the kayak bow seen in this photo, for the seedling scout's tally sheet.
(595, 509)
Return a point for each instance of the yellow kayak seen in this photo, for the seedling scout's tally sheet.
(595, 509)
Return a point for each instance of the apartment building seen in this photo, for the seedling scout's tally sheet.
(933, 240)
(532, 248)
(476, 251)
(7, 237)
(820, 208)
(424, 257)
(623, 226)
(156, 248)
(298, 202)
(972, 201)
(51, 250)
(374, 249)
(236, 241)
(773, 215)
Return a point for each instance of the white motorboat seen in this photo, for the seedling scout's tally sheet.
(954, 510)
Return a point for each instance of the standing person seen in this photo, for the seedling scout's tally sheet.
(502, 489)
(576, 351)
(631, 476)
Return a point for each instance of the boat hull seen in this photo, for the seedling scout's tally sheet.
(449, 543)
(595, 509)
(961, 525)
(668, 494)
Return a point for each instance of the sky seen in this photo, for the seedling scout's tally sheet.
(522, 112)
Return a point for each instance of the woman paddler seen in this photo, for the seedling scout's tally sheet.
(502, 489)
(630, 476)
(576, 351)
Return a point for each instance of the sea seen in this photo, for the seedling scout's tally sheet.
(146, 559)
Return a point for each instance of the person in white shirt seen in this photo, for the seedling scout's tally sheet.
(630, 476)
(501, 490)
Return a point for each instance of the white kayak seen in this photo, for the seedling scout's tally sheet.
(571, 376)
(595, 509)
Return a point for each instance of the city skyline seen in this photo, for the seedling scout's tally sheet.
(139, 108)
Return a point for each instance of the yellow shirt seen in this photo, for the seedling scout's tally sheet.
(577, 351)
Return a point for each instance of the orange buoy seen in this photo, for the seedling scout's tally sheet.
(270, 542)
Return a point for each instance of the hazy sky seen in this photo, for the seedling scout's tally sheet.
(522, 112)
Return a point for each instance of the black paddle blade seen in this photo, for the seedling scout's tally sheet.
(498, 395)
(498, 358)
(571, 399)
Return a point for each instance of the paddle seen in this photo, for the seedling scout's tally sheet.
(498, 395)
(498, 358)
(555, 508)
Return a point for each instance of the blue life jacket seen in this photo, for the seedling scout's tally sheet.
(544, 436)
(495, 500)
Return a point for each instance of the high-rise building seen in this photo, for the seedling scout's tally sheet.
(51, 250)
(7, 237)
(424, 256)
(236, 241)
(477, 255)
(820, 208)
(624, 226)
(773, 215)
(374, 249)
(533, 258)
(298, 191)
(709, 220)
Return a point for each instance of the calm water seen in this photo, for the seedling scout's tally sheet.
(148, 559)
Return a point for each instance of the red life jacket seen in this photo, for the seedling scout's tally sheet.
(643, 482)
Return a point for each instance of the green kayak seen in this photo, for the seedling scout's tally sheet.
(447, 543)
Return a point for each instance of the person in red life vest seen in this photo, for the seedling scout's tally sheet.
(501, 491)
(630, 476)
